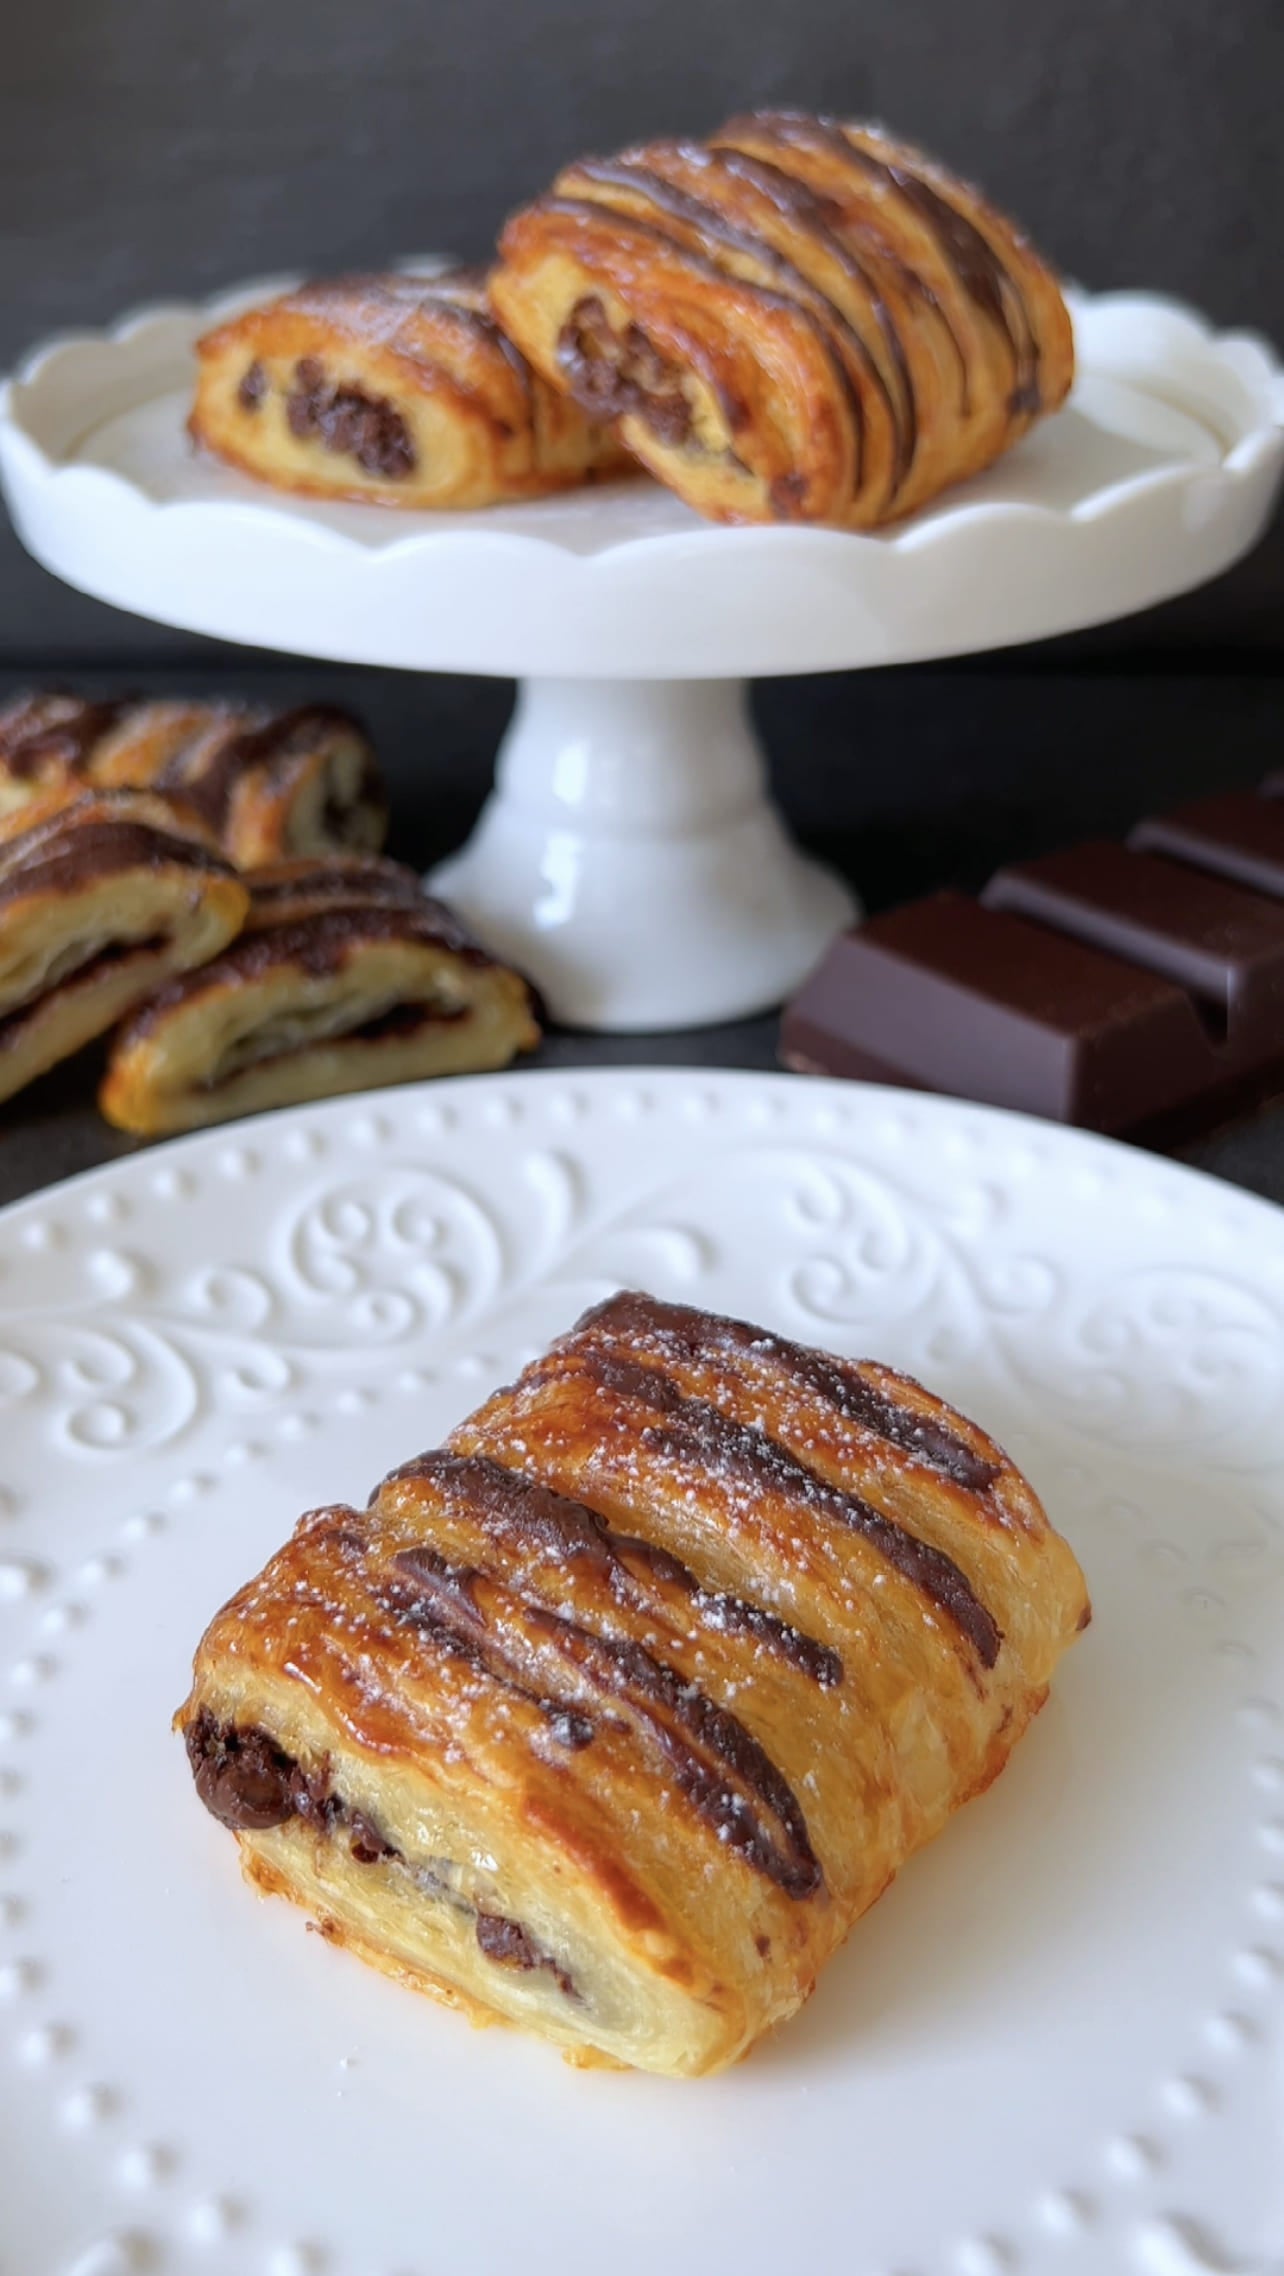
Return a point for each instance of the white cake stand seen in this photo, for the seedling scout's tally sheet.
(629, 857)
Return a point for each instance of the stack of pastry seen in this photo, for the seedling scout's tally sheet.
(795, 320)
(322, 972)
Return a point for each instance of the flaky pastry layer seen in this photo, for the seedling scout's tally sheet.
(346, 977)
(796, 320)
(396, 389)
(102, 900)
(264, 785)
(613, 1715)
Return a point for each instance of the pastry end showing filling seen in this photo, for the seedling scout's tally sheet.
(252, 1785)
(617, 373)
(345, 420)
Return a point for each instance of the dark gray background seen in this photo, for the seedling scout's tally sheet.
(164, 147)
(153, 147)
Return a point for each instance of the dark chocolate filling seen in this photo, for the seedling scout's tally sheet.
(360, 882)
(253, 387)
(613, 375)
(349, 422)
(507, 1943)
(317, 946)
(716, 231)
(249, 1783)
(399, 1023)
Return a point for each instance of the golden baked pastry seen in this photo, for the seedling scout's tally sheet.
(101, 899)
(398, 390)
(611, 1717)
(797, 320)
(266, 784)
(345, 977)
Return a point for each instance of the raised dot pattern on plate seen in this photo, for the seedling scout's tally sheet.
(877, 1259)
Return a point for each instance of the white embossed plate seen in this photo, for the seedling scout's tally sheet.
(1055, 2046)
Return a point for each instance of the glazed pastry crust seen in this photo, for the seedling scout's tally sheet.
(265, 785)
(101, 901)
(346, 977)
(395, 390)
(614, 1715)
(797, 320)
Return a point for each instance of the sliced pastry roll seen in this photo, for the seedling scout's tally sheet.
(345, 977)
(400, 390)
(101, 900)
(612, 1716)
(267, 784)
(797, 320)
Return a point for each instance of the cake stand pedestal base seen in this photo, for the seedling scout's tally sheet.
(630, 859)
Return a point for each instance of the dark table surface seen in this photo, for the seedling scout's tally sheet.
(905, 780)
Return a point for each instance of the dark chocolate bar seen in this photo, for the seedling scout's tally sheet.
(1133, 989)
(1220, 942)
(1235, 833)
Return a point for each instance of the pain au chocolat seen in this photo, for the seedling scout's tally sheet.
(101, 900)
(400, 390)
(266, 784)
(346, 977)
(610, 1717)
(798, 320)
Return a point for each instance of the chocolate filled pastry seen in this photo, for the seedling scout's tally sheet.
(265, 784)
(101, 900)
(399, 390)
(797, 320)
(345, 977)
(610, 1717)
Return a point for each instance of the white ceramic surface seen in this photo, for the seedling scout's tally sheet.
(1159, 473)
(631, 860)
(1054, 2049)
(638, 896)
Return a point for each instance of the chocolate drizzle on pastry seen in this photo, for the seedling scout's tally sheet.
(693, 1430)
(987, 280)
(795, 320)
(65, 854)
(59, 732)
(438, 1599)
(726, 1776)
(207, 769)
(519, 1514)
(682, 1333)
(715, 230)
(263, 783)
